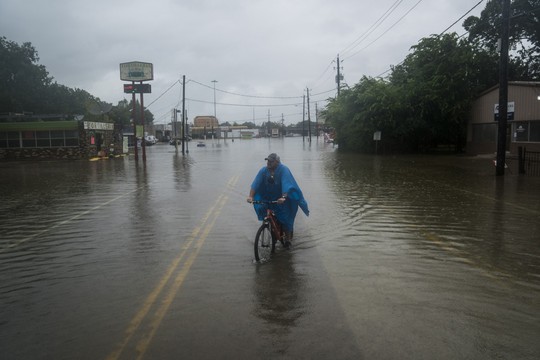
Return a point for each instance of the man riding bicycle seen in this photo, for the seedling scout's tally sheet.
(275, 181)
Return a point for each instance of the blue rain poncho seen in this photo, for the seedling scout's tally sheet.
(268, 188)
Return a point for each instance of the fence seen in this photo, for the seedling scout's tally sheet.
(529, 162)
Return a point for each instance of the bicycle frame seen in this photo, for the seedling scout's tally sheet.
(272, 221)
(275, 225)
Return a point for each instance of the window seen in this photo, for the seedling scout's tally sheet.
(3, 139)
(534, 131)
(43, 138)
(57, 138)
(527, 131)
(521, 131)
(72, 137)
(13, 139)
(28, 138)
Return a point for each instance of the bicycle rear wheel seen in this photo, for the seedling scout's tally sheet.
(264, 243)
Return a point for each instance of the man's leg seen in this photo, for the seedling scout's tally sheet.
(288, 238)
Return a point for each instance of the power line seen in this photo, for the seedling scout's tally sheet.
(373, 27)
(386, 31)
(166, 91)
(244, 95)
(471, 9)
(242, 105)
(445, 30)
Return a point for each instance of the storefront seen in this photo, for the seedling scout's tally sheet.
(523, 129)
(58, 139)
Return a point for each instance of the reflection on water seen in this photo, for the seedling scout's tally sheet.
(279, 299)
(479, 217)
(437, 239)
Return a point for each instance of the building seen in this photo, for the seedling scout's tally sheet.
(523, 129)
(56, 137)
(205, 121)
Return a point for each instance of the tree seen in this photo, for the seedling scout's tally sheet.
(22, 80)
(440, 79)
(25, 86)
(249, 125)
(524, 62)
(424, 102)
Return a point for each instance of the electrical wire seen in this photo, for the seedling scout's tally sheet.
(385, 32)
(244, 95)
(445, 30)
(449, 27)
(373, 27)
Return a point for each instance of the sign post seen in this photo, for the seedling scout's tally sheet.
(376, 138)
(137, 71)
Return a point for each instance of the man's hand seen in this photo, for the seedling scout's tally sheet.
(250, 199)
(281, 200)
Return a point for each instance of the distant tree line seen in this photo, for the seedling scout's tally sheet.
(425, 100)
(27, 88)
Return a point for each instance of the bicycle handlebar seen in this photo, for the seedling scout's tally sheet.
(264, 202)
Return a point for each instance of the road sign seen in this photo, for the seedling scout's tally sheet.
(509, 111)
(137, 88)
(136, 71)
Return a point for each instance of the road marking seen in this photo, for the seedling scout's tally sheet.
(193, 245)
(143, 344)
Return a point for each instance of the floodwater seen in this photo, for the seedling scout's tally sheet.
(403, 257)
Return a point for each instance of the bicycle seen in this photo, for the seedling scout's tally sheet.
(268, 234)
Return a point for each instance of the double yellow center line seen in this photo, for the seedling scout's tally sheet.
(180, 266)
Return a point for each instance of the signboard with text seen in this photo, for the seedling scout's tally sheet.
(510, 111)
(136, 71)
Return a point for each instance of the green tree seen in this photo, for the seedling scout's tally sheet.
(439, 82)
(25, 86)
(424, 102)
(249, 124)
(22, 80)
(484, 31)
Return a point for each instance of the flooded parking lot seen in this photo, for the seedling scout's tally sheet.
(401, 257)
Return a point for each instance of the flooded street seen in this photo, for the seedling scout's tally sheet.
(406, 257)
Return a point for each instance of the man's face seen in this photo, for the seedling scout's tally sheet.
(271, 164)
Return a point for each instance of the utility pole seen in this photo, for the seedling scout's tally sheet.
(268, 128)
(338, 76)
(184, 136)
(308, 116)
(133, 113)
(214, 81)
(143, 141)
(176, 111)
(317, 121)
(303, 117)
(503, 90)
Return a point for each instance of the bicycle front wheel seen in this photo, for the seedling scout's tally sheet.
(264, 243)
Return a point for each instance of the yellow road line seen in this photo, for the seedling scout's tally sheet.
(143, 344)
(194, 244)
(152, 297)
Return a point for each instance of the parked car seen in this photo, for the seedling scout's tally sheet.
(150, 139)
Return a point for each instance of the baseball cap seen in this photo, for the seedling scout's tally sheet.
(272, 157)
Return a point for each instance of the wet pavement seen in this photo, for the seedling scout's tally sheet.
(402, 257)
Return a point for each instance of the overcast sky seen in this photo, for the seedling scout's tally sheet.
(262, 53)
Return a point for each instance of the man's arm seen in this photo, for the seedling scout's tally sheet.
(251, 195)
